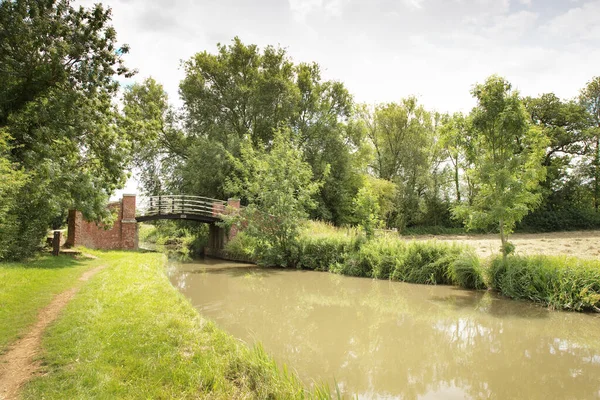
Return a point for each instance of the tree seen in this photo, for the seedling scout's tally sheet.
(244, 92)
(508, 155)
(590, 99)
(455, 140)
(158, 146)
(564, 124)
(401, 135)
(280, 188)
(12, 180)
(59, 65)
(367, 211)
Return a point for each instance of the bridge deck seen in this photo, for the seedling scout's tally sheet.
(195, 208)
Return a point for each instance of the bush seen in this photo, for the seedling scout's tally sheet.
(381, 257)
(568, 219)
(559, 282)
(242, 246)
(384, 258)
(320, 253)
(466, 271)
(427, 262)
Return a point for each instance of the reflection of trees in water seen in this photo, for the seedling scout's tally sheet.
(377, 337)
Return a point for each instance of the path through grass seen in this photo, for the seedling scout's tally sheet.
(27, 287)
(130, 334)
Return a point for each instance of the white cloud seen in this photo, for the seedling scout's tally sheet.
(577, 23)
(416, 4)
(379, 48)
(301, 8)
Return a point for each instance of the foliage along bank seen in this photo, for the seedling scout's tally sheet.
(565, 283)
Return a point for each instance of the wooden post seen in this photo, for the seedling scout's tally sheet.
(56, 243)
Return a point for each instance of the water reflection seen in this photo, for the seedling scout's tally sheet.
(393, 340)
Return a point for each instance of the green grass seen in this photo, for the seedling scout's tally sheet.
(566, 283)
(130, 334)
(27, 287)
(389, 258)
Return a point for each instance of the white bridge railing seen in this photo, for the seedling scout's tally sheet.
(154, 206)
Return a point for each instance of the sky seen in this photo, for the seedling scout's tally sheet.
(382, 50)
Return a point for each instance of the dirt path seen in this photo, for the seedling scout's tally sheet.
(20, 362)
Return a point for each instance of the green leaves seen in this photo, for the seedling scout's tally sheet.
(280, 188)
(59, 65)
(507, 165)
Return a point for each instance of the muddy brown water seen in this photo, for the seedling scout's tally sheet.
(382, 339)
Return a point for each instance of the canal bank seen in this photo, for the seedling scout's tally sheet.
(128, 333)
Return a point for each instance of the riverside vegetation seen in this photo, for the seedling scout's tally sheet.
(566, 283)
(129, 333)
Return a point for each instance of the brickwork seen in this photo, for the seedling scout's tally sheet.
(217, 238)
(122, 235)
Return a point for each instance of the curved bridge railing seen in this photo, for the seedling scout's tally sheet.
(181, 207)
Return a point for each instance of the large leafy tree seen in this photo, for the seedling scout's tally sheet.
(401, 135)
(158, 145)
(508, 154)
(59, 65)
(564, 124)
(455, 139)
(590, 99)
(246, 93)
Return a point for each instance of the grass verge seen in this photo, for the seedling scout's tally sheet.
(559, 282)
(27, 287)
(130, 334)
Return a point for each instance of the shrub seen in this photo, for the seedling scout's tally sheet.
(559, 282)
(242, 246)
(466, 271)
(427, 262)
(320, 253)
(567, 219)
(381, 257)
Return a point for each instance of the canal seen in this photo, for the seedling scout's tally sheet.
(382, 339)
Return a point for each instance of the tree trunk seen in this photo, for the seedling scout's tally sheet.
(596, 172)
(456, 182)
(503, 239)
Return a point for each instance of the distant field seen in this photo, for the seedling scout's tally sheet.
(584, 244)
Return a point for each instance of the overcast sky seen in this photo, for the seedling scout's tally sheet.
(382, 50)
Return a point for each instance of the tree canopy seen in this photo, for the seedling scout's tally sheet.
(59, 65)
(71, 129)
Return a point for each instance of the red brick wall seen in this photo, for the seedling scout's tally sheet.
(122, 235)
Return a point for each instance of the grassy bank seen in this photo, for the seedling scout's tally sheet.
(27, 287)
(322, 247)
(565, 283)
(130, 334)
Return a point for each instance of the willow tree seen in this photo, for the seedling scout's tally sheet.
(507, 167)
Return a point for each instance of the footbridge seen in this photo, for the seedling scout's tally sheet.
(196, 208)
(192, 208)
(123, 233)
